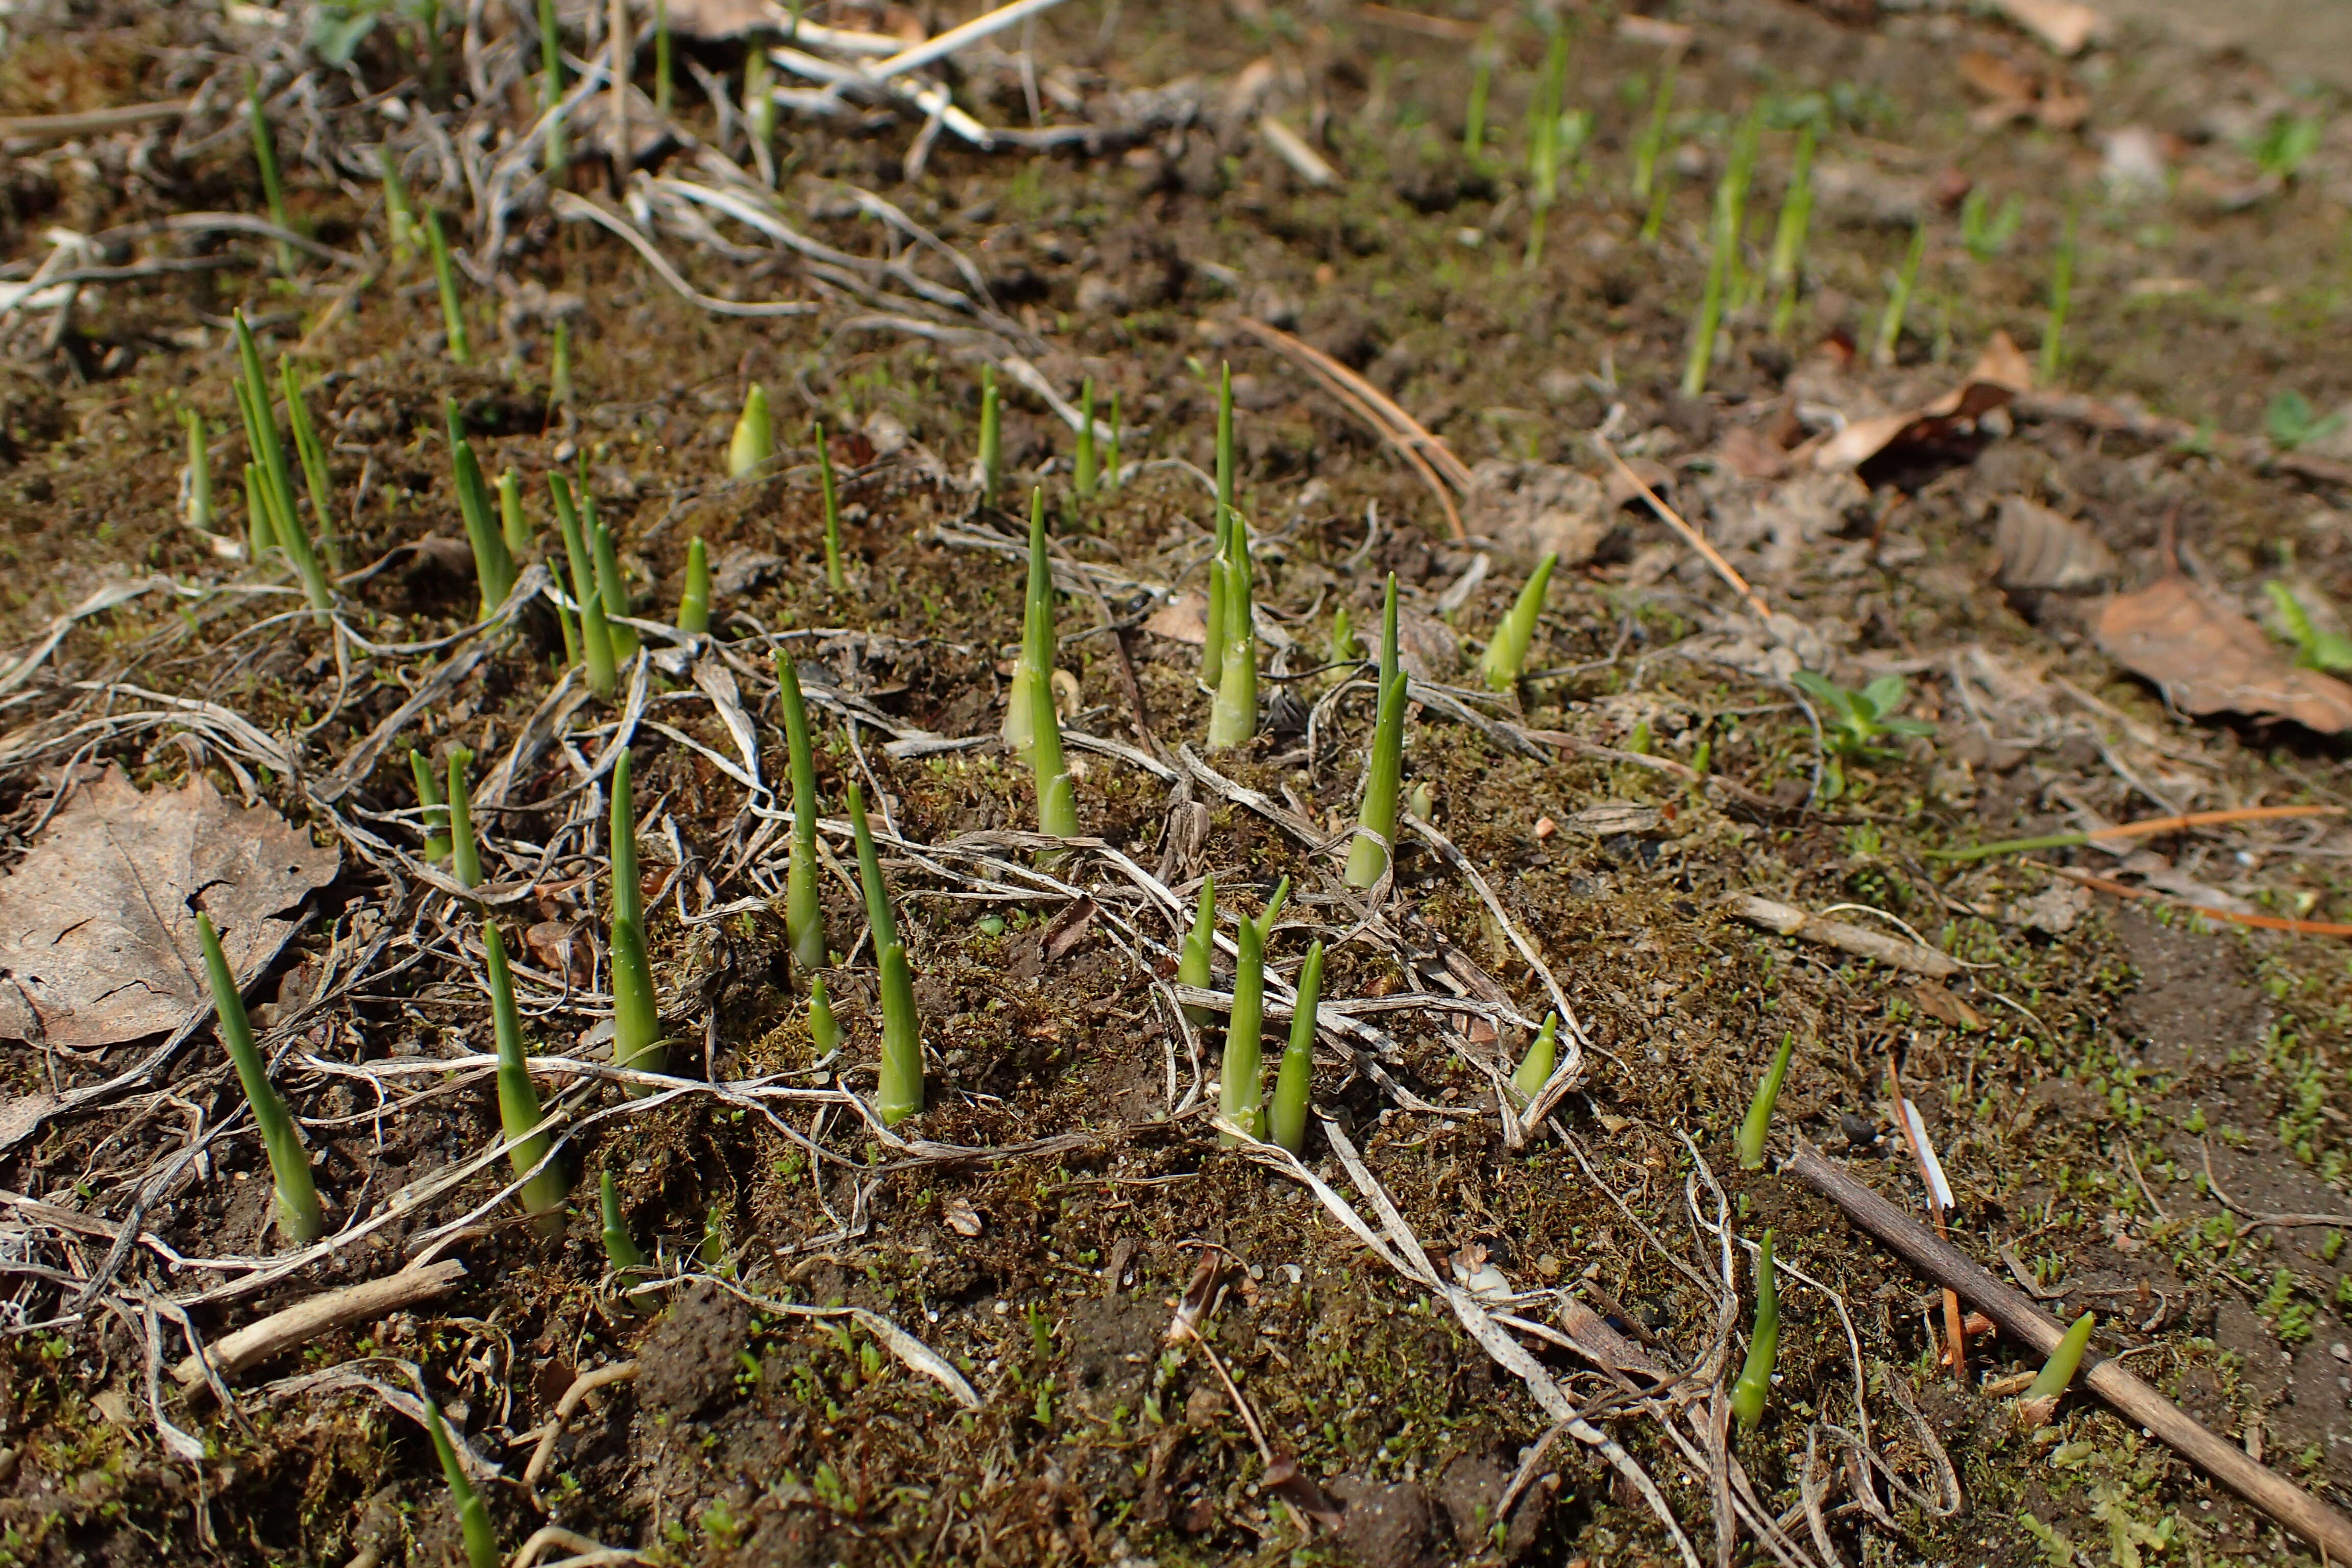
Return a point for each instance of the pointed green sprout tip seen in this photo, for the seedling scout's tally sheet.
(1535, 1070)
(494, 569)
(276, 486)
(835, 577)
(1785, 272)
(518, 1108)
(1506, 652)
(628, 894)
(1241, 1091)
(1057, 812)
(611, 589)
(436, 813)
(315, 475)
(824, 1029)
(399, 217)
(445, 276)
(1759, 1112)
(1474, 118)
(2062, 295)
(265, 157)
(620, 1250)
(290, 1165)
(1200, 949)
(465, 854)
(595, 636)
(1225, 439)
(1368, 857)
(1036, 627)
(260, 537)
(1232, 715)
(559, 364)
(899, 1092)
(694, 599)
(879, 918)
(1388, 633)
(1294, 1084)
(804, 913)
(1898, 300)
(754, 440)
(1213, 617)
(473, 1515)
(1755, 1384)
(637, 1022)
(2058, 1371)
(514, 528)
(1347, 647)
(1082, 466)
(199, 473)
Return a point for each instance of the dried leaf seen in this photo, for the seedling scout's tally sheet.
(2062, 24)
(2208, 658)
(1995, 77)
(2040, 549)
(1946, 1009)
(1751, 454)
(98, 925)
(1183, 618)
(2001, 372)
(962, 1218)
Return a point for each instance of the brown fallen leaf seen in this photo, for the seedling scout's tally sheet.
(1752, 455)
(2001, 372)
(2062, 24)
(2039, 548)
(1996, 78)
(1946, 1009)
(98, 923)
(2208, 658)
(563, 947)
(1183, 618)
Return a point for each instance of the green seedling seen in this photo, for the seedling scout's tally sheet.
(199, 473)
(760, 108)
(1232, 714)
(2317, 649)
(1212, 640)
(518, 1108)
(1474, 113)
(636, 1023)
(315, 475)
(277, 477)
(1785, 271)
(620, 1250)
(1198, 950)
(1507, 651)
(1367, 858)
(1707, 322)
(1112, 465)
(1058, 810)
(824, 1029)
(2286, 144)
(473, 1515)
(1019, 728)
(1754, 1385)
(663, 85)
(514, 528)
(2290, 422)
(595, 636)
(436, 811)
(1986, 230)
(399, 216)
(551, 86)
(559, 365)
(1543, 146)
(2058, 1373)
(899, 1092)
(289, 1165)
(992, 440)
(260, 536)
(694, 599)
(444, 277)
(835, 578)
(1346, 646)
(1535, 1069)
(1649, 178)
(1855, 723)
(1898, 300)
(612, 589)
(465, 854)
(1759, 1110)
(494, 568)
(1729, 224)
(1294, 1083)
(1241, 1089)
(1082, 464)
(754, 441)
(265, 158)
(2062, 295)
(804, 913)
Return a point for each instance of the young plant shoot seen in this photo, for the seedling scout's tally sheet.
(1786, 270)
(445, 276)
(2041, 1397)
(1754, 1385)
(1240, 1088)
(1295, 1083)
(2062, 297)
(1899, 300)
(1232, 715)
(1082, 464)
(835, 578)
(399, 216)
(465, 854)
(1110, 456)
(277, 479)
(514, 528)
(754, 441)
(620, 1250)
(435, 811)
(694, 599)
(636, 1023)
(494, 568)
(518, 1108)
(260, 535)
(1198, 950)
(992, 440)
(1058, 810)
(1367, 858)
(595, 636)
(1213, 641)
(612, 589)
(1759, 1112)
(1543, 146)
(316, 478)
(473, 1515)
(1507, 651)
(803, 914)
(900, 1093)
(290, 1165)
(265, 158)
(824, 1029)
(1649, 186)
(199, 489)
(559, 364)
(1535, 1070)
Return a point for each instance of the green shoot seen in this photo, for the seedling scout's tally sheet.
(620, 1250)
(1058, 811)
(636, 1023)
(1855, 723)
(754, 441)
(879, 918)
(1241, 1091)
(465, 854)
(1198, 948)
(900, 1093)
(436, 813)
(1295, 1083)
(611, 590)
(1534, 1069)
(260, 536)
(1755, 1384)
(713, 1251)
(1473, 116)
(277, 479)
(518, 1108)
(1110, 457)
(2318, 649)
(2286, 144)
(315, 475)
(2291, 422)
(399, 216)
(1345, 648)
(1649, 181)
(1367, 858)
(290, 1165)
(662, 77)
(1759, 1110)
(1543, 145)
(824, 1029)
(1985, 231)
(473, 1515)
(992, 440)
(1731, 203)
(2062, 296)
(803, 914)
(550, 84)
(2058, 1373)
(1232, 716)
(1785, 269)
(595, 636)
(694, 599)
(1507, 651)
(1700, 358)
(444, 277)
(834, 577)
(1898, 300)
(494, 569)
(1212, 642)
(199, 473)
(759, 104)
(1082, 466)
(1225, 437)
(514, 529)
(559, 370)
(265, 158)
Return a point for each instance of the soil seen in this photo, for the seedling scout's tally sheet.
(1068, 1186)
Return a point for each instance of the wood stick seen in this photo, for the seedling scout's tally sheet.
(304, 1320)
(1894, 952)
(2135, 1401)
(34, 128)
